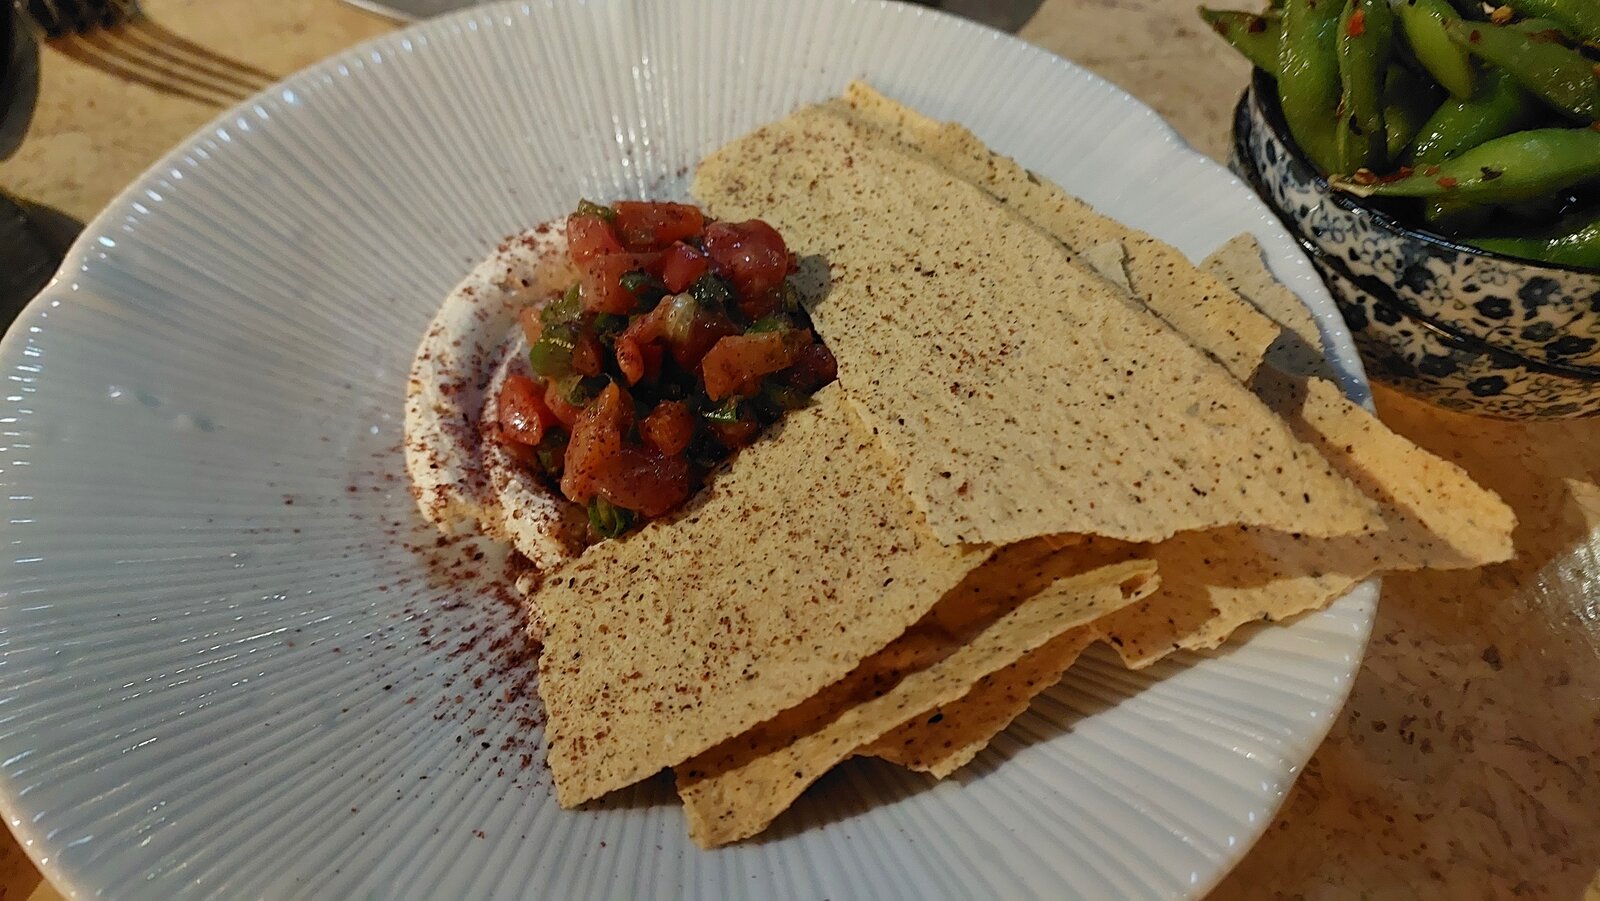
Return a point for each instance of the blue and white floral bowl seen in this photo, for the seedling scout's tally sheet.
(1425, 360)
(1545, 312)
(1464, 328)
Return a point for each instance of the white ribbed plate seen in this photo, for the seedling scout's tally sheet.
(224, 672)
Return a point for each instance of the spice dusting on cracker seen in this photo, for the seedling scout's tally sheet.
(1041, 401)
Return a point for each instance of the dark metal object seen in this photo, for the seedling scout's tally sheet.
(25, 261)
(59, 18)
(19, 79)
(26, 255)
(8, 30)
(1006, 15)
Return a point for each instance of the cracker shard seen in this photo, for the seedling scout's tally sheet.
(1436, 518)
(1217, 580)
(941, 740)
(1159, 276)
(1050, 403)
(1298, 348)
(701, 626)
(734, 790)
(944, 739)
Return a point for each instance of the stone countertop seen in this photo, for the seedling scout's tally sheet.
(1467, 763)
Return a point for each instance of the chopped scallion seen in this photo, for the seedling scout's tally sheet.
(607, 519)
(590, 208)
(551, 355)
(727, 411)
(712, 293)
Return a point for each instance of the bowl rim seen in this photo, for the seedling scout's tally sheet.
(1251, 175)
(1261, 85)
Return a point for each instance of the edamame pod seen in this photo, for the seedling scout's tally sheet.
(1408, 99)
(1256, 37)
(1581, 17)
(1469, 9)
(1308, 78)
(1562, 76)
(1519, 166)
(1364, 45)
(1499, 107)
(1541, 27)
(1572, 246)
(1425, 23)
(1455, 217)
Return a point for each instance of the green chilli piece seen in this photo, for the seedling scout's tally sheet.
(1499, 108)
(590, 208)
(1565, 78)
(552, 451)
(1520, 166)
(1569, 246)
(1580, 17)
(711, 293)
(640, 283)
(1425, 24)
(726, 412)
(566, 308)
(1256, 37)
(1365, 44)
(783, 397)
(769, 324)
(607, 324)
(579, 390)
(1408, 99)
(1308, 78)
(607, 519)
(551, 355)
(791, 296)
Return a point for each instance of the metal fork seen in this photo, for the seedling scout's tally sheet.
(59, 18)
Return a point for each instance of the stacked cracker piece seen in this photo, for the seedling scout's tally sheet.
(1048, 430)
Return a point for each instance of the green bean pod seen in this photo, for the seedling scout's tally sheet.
(1538, 212)
(1565, 78)
(1408, 100)
(1541, 27)
(1469, 9)
(1499, 107)
(1425, 25)
(1519, 166)
(1571, 246)
(1308, 78)
(1444, 214)
(1580, 17)
(1256, 37)
(1364, 45)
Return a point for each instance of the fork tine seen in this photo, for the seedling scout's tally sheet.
(48, 17)
(123, 11)
(78, 15)
(58, 18)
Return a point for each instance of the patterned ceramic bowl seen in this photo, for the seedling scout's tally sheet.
(1547, 313)
(1453, 371)
(1426, 358)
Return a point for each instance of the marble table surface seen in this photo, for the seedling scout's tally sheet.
(1467, 763)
